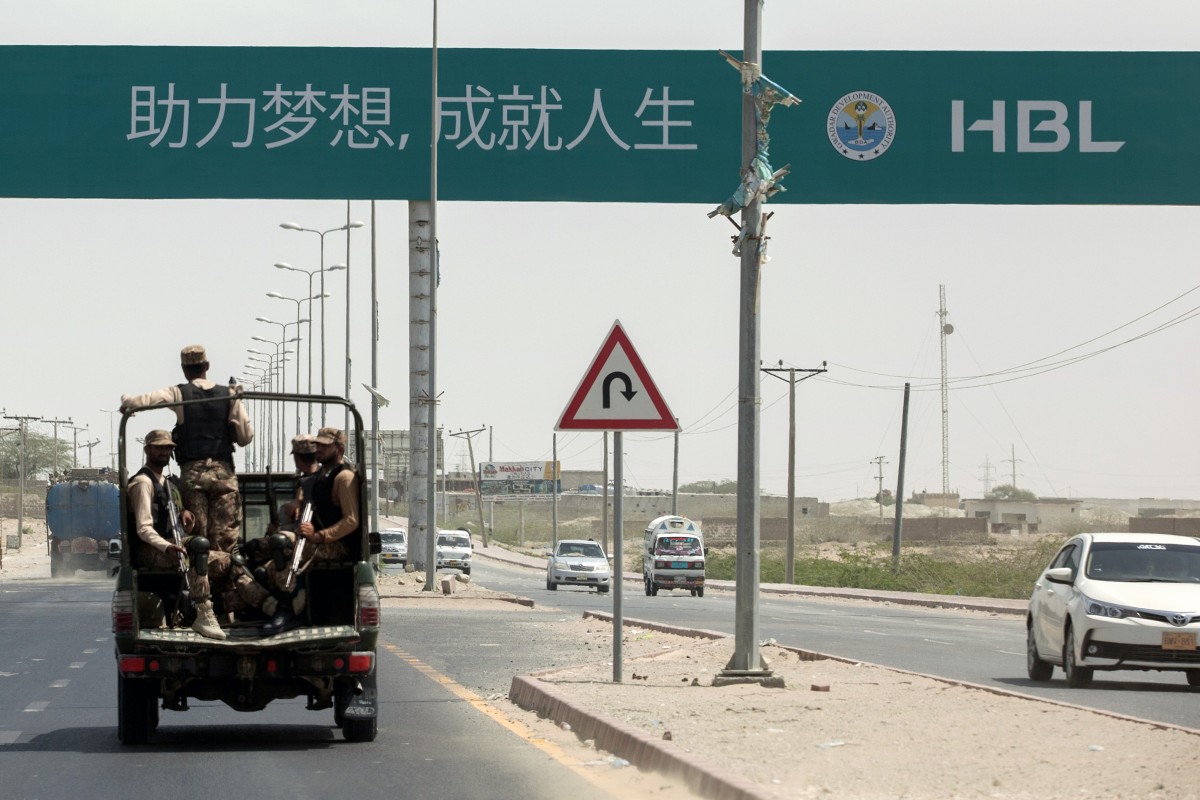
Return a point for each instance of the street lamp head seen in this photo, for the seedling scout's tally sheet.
(283, 265)
(264, 319)
(319, 296)
(279, 296)
(261, 339)
(290, 226)
(302, 319)
(356, 224)
(257, 352)
(335, 267)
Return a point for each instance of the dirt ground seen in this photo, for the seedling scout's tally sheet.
(845, 730)
(836, 730)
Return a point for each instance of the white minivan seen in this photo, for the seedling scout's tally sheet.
(673, 556)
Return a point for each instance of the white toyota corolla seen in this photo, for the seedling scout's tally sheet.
(1117, 601)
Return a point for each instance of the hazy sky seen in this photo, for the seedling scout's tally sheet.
(100, 296)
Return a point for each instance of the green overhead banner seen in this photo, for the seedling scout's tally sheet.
(596, 125)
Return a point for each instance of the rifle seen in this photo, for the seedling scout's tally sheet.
(185, 606)
(289, 579)
(272, 508)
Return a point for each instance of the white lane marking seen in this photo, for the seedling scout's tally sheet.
(877, 633)
(1011, 653)
(78, 665)
(939, 641)
(8, 737)
(60, 684)
(7, 674)
(91, 650)
(35, 707)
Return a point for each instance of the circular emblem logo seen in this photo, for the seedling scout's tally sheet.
(861, 126)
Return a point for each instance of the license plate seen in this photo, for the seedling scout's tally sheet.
(1179, 640)
(679, 565)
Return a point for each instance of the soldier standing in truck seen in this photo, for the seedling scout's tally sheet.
(205, 436)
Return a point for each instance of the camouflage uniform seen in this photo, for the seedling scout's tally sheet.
(210, 491)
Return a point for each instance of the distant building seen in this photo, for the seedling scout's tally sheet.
(936, 499)
(1024, 516)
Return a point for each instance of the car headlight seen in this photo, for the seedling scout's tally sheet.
(1095, 608)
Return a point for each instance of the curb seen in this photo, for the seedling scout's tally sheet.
(631, 744)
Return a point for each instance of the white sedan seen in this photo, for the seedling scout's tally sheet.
(1113, 601)
(578, 562)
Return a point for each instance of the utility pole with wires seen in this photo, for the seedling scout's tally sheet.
(468, 435)
(56, 423)
(944, 330)
(1013, 461)
(23, 422)
(880, 461)
(778, 372)
(988, 467)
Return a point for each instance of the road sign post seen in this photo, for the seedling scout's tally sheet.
(617, 394)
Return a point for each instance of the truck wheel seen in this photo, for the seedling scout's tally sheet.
(137, 710)
(54, 567)
(646, 585)
(700, 592)
(360, 730)
(653, 589)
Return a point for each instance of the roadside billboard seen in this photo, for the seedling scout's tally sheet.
(519, 479)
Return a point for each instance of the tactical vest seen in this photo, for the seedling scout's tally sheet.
(160, 517)
(204, 431)
(322, 498)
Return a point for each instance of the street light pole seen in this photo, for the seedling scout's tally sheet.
(298, 301)
(291, 226)
(112, 439)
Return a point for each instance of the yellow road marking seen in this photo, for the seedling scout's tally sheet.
(516, 727)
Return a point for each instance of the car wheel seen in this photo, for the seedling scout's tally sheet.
(603, 589)
(1038, 669)
(653, 589)
(646, 585)
(1077, 677)
(466, 571)
(551, 585)
(1193, 677)
(700, 592)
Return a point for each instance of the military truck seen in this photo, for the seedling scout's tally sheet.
(329, 658)
(83, 514)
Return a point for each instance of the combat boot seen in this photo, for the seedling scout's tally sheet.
(206, 621)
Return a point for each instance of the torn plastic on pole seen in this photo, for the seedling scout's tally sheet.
(759, 180)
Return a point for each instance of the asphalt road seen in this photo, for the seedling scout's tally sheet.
(976, 647)
(58, 718)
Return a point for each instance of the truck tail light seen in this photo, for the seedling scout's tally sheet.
(131, 664)
(368, 606)
(122, 611)
(361, 662)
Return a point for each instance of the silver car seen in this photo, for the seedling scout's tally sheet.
(578, 562)
(1112, 601)
(395, 546)
(454, 549)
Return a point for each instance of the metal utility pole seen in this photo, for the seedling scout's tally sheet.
(898, 529)
(554, 488)
(944, 330)
(89, 446)
(879, 497)
(23, 422)
(675, 475)
(758, 182)
(790, 567)
(75, 444)
(604, 497)
(468, 435)
(1013, 461)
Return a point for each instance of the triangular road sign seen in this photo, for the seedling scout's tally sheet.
(617, 393)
